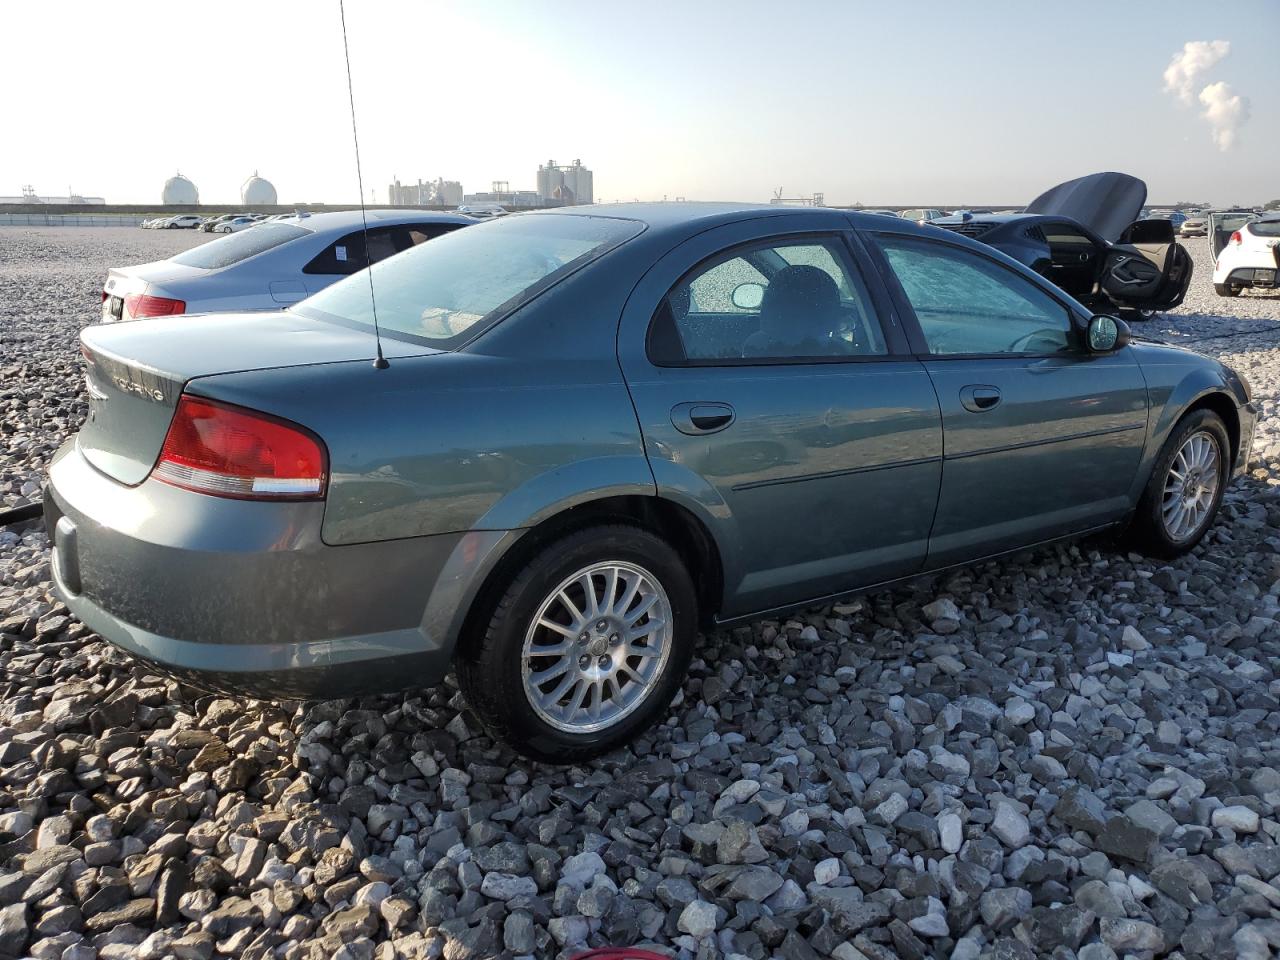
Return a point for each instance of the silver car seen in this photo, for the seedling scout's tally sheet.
(268, 267)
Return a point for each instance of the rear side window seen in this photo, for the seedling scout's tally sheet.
(966, 304)
(775, 300)
(235, 247)
(347, 255)
(444, 292)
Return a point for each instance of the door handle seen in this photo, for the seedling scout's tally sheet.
(696, 419)
(979, 398)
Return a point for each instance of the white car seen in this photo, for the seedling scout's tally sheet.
(483, 211)
(923, 214)
(1194, 226)
(269, 267)
(185, 221)
(1246, 250)
(235, 225)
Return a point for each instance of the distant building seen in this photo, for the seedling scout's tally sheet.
(257, 192)
(563, 185)
(506, 198)
(438, 193)
(29, 195)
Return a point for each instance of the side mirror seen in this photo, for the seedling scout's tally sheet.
(747, 296)
(1107, 334)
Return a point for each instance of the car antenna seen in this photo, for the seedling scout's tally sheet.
(380, 362)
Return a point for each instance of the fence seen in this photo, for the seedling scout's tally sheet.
(67, 220)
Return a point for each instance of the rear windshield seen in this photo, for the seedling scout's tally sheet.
(1266, 228)
(444, 292)
(235, 247)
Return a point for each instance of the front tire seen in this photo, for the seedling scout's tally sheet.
(1185, 489)
(1226, 290)
(586, 646)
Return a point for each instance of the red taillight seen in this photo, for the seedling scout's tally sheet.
(228, 451)
(143, 305)
(104, 296)
(1236, 238)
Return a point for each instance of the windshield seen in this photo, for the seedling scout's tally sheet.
(444, 292)
(235, 247)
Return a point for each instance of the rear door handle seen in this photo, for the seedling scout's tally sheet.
(979, 398)
(699, 418)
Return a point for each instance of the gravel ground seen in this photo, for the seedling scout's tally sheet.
(1072, 753)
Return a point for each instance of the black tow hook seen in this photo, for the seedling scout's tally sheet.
(28, 511)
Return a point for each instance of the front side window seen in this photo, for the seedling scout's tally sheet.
(441, 293)
(235, 247)
(775, 300)
(966, 304)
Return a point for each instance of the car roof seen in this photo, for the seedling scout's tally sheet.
(343, 219)
(682, 216)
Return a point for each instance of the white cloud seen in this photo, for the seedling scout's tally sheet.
(1226, 112)
(1187, 66)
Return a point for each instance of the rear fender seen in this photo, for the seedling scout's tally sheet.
(564, 487)
(1169, 402)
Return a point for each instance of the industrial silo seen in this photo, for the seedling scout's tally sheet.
(179, 192)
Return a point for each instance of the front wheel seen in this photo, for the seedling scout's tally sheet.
(1226, 290)
(1185, 490)
(586, 647)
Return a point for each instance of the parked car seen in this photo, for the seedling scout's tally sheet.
(1246, 251)
(272, 265)
(598, 428)
(1084, 236)
(234, 225)
(1194, 227)
(879, 213)
(211, 224)
(185, 221)
(922, 214)
(483, 211)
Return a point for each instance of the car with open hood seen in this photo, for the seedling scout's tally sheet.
(1246, 251)
(544, 450)
(1086, 237)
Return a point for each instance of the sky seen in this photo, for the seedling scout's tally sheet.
(905, 102)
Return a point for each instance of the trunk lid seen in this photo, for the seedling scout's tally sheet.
(135, 372)
(1106, 203)
(125, 281)
(1223, 223)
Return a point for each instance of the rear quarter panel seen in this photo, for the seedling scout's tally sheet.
(498, 436)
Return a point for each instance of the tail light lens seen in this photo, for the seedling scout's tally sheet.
(1236, 238)
(228, 451)
(139, 305)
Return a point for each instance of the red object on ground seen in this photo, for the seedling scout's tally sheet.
(620, 953)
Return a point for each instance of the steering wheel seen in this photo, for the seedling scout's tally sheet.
(1052, 337)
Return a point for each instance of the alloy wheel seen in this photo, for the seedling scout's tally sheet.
(1191, 486)
(597, 646)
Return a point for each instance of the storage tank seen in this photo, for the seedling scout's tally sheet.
(179, 191)
(257, 192)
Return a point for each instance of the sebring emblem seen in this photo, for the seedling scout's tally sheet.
(137, 389)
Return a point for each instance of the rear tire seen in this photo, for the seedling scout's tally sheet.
(1132, 314)
(1185, 489)
(1226, 290)
(604, 676)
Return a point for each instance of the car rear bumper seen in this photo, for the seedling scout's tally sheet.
(244, 596)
